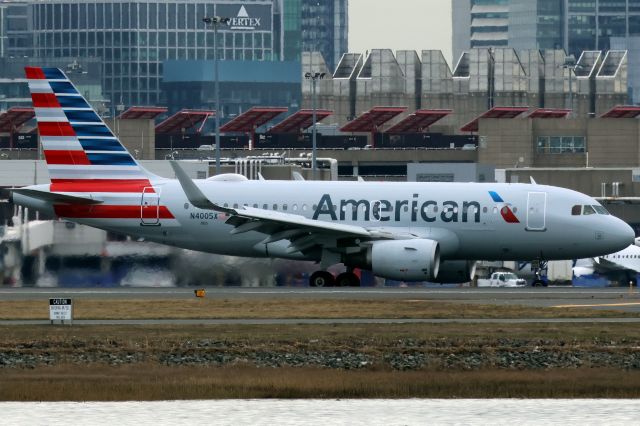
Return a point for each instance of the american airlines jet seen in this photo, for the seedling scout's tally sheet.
(403, 231)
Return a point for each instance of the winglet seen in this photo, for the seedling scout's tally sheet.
(533, 181)
(193, 193)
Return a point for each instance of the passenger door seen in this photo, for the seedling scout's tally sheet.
(150, 206)
(536, 211)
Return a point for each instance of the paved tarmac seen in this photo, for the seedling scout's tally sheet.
(618, 298)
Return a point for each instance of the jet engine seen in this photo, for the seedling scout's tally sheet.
(405, 260)
(456, 271)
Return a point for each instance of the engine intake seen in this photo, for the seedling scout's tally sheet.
(406, 260)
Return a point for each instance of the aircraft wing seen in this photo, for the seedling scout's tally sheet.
(603, 265)
(297, 221)
(303, 233)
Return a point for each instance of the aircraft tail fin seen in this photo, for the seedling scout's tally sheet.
(81, 152)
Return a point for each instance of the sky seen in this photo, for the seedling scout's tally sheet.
(400, 25)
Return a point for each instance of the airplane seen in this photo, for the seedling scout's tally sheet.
(622, 266)
(402, 231)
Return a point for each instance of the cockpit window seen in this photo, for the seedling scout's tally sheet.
(601, 210)
(588, 210)
(576, 210)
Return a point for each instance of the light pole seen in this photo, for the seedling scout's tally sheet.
(215, 21)
(314, 77)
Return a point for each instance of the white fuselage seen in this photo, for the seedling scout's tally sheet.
(446, 212)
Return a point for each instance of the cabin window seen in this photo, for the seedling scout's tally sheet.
(295, 207)
(600, 210)
(275, 207)
(226, 205)
(265, 206)
(304, 207)
(255, 206)
(235, 206)
(284, 207)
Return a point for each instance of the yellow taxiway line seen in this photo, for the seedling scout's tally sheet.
(598, 305)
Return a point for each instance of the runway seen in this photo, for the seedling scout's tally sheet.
(618, 298)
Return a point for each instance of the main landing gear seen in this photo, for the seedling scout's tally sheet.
(326, 279)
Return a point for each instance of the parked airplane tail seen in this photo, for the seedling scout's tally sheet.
(81, 152)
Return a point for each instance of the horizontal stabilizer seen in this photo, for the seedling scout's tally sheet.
(54, 197)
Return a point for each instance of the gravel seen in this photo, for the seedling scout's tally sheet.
(402, 355)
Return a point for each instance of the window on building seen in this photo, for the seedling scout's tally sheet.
(560, 144)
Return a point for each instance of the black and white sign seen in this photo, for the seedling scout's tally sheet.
(248, 17)
(60, 309)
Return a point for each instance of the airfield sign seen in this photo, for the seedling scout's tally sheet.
(60, 310)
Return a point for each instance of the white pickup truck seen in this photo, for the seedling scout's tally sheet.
(502, 279)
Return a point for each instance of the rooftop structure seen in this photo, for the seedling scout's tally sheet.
(419, 121)
(142, 113)
(373, 120)
(14, 118)
(298, 122)
(496, 112)
(250, 120)
(622, 111)
(184, 120)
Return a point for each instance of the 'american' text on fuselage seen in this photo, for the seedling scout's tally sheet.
(381, 210)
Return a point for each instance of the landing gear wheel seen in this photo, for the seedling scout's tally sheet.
(347, 279)
(321, 279)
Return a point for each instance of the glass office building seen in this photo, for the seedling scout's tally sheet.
(592, 24)
(479, 23)
(575, 25)
(133, 38)
(312, 25)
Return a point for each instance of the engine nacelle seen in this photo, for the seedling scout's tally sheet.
(456, 271)
(405, 260)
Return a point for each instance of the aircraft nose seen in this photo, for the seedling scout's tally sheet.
(623, 233)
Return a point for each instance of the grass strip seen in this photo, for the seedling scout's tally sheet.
(157, 382)
(291, 308)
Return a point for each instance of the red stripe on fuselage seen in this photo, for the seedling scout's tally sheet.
(48, 128)
(66, 157)
(75, 211)
(101, 185)
(45, 100)
(34, 73)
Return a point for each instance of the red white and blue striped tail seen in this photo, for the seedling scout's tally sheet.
(82, 154)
